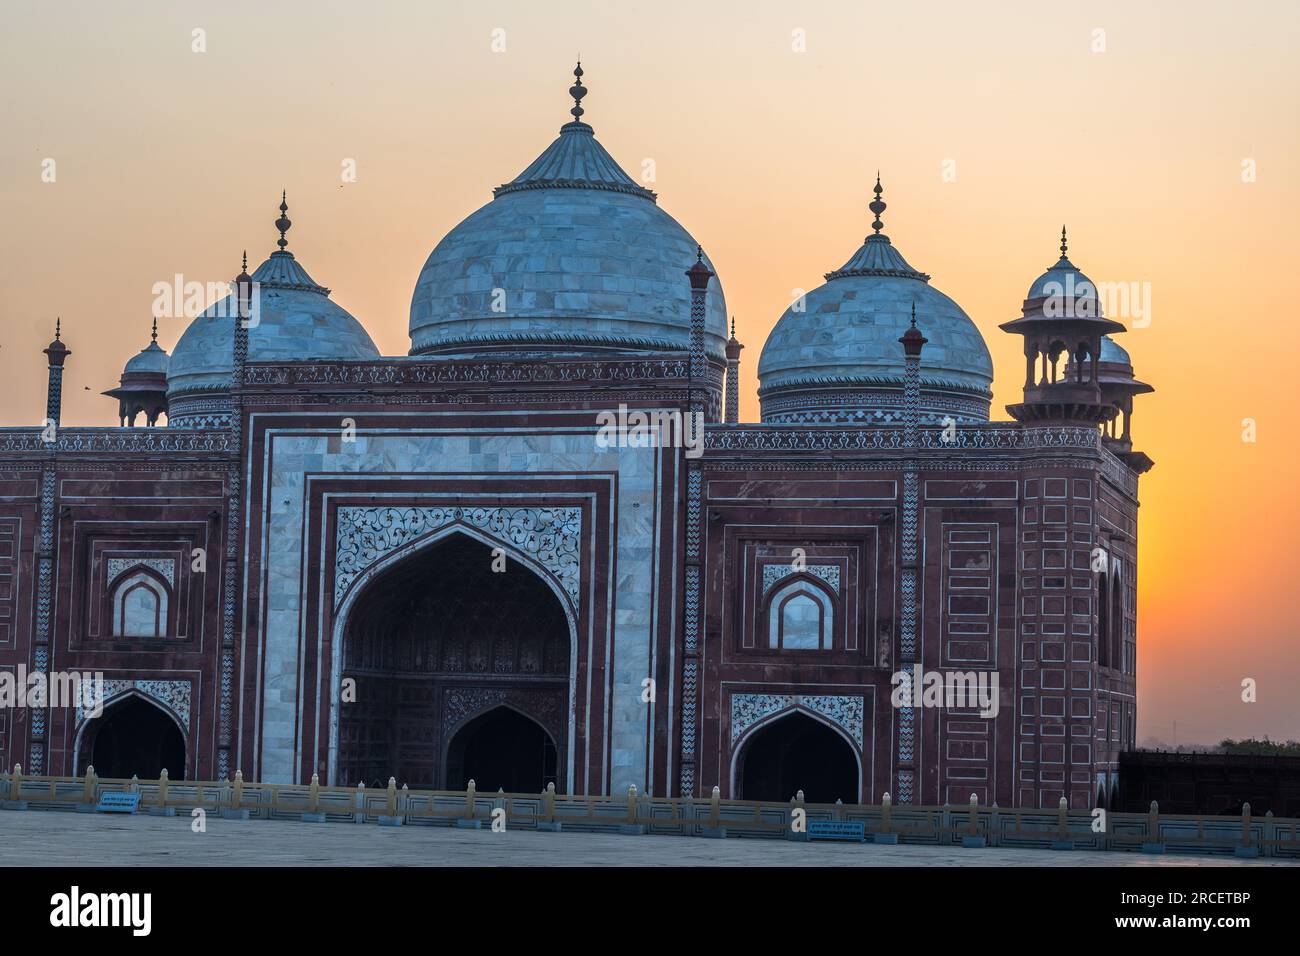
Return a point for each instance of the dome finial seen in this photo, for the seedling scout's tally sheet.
(577, 91)
(154, 336)
(913, 313)
(284, 222)
(733, 326)
(1063, 245)
(58, 326)
(245, 266)
(877, 206)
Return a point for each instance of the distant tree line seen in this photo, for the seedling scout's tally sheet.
(1261, 748)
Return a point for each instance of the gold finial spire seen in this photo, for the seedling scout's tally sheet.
(154, 335)
(284, 222)
(877, 206)
(1063, 244)
(58, 327)
(577, 91)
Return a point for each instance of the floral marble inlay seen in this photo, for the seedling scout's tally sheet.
(172, 694)
(166, 567)
(844, 711)
(830, 573)
(550, 536)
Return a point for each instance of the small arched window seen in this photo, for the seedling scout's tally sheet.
(800, 618)
(139, 606)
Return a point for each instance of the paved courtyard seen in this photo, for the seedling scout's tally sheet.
(41, 838)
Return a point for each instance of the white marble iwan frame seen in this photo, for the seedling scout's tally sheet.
(291, 457)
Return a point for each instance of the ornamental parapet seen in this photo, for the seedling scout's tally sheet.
(115, 441)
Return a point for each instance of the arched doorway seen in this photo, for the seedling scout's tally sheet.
(133, 737)
(796, 753)
(453, 631)
(502, 750)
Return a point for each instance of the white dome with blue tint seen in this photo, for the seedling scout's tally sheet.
(149, 360)
(295, 320)
(834, 357)
(570, 256)
(1062, 280)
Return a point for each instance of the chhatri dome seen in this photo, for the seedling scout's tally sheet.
(295, 321)
(834, 356)
(142, 389)
(571, 256)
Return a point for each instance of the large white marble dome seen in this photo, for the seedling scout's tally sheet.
(834, 356)
(571, 256)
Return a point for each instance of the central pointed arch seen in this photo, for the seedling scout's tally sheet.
(454, 603)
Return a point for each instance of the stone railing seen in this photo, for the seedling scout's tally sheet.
(969, 825)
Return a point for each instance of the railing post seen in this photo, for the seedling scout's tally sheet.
(631, 804)
(838, 813)
(313, 794)
(88, 794)
(162, 787)
(390, 802)
(16, 784)
(1153, 842)
(469, 800)
(1247, 848)
(715, 807)
(972, 837)
(886, 811)
(548, 824)
(361, 802)
(237, 797)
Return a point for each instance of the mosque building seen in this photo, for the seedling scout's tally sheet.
(440, 566)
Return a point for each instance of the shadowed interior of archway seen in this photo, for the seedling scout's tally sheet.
(442, 637)
(133, 738)
(798, 753)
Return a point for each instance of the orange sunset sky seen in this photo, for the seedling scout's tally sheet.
(172, 161)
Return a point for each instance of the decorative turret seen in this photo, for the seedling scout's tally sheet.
(142, 388)
(733, 347)
(1118, 385)
(1062, 316)
(699, 274)
(57, 353)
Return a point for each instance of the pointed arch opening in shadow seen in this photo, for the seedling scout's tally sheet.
(450, 628)
(133, 737)
(502, 749)
(794, 752)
